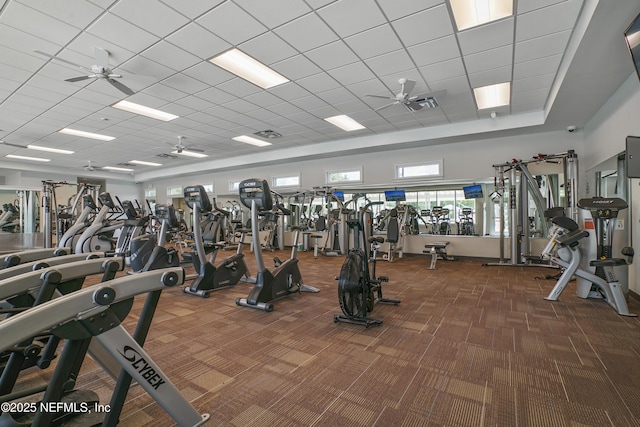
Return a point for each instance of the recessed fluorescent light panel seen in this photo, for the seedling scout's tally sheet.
(242, 65)
(113, 168)
(84, 134)
(144, 111)
(140, 162)
(35, 159)
(189, 153)
(493, 96)
(471, 13)
(48, 149)
(344, 123)
(249, 140)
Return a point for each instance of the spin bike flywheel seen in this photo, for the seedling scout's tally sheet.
(354, 299)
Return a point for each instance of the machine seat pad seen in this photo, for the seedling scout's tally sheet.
(609, 262)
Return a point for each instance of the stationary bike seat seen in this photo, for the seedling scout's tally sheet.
(609, 262)
(377, 239)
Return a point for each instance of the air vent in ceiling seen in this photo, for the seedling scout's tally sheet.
(268, 134)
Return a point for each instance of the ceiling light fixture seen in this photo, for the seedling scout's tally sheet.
(242, 65)
(113, 168)
(471, 13)
(48, 149)
(35, 159)
(144, 111)
(250, 140)
(493, 95)
(140, 162)
(84, 134)
(189, 153)
(345, 123)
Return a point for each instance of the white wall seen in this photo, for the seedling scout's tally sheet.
(463, 162)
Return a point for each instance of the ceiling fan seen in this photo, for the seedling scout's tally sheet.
(180, 147)
(100, 70)
(90, 166)
(411, 103)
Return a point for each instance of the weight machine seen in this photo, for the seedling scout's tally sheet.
(522, 185)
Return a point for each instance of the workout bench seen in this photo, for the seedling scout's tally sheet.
(437, 250)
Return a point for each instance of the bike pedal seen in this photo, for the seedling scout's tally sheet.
(383, 278)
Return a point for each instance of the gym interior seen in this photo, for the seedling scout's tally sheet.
(423, 213)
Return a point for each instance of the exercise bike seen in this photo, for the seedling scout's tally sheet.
(211, 277)
(359, 290)
(285, 278)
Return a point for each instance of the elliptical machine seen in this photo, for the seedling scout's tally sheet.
(210, 277)
(286, 279)
(148, 252)
(359, 290)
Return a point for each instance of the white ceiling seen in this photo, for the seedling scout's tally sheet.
(334, 53)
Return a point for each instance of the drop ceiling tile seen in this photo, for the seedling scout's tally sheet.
(264, 99)
(540, 47)
(197, 40)
(223, 21)
(150, 15)
(394, 9)
(38, 24)
(24, 42)
(274, 13)
(215, 95)
(208, 73)
(82, 51)
(489, 77)
(151, 70)
(351, 17)
(289, 90)
(490, 59)
(536, 83)
(268, 48)
(435, 51)
(352, 73)
(485, 37)
(165, 92)
(194, 103)
(332, 55)
(284, 109)
(192, 8)
(452, 84)
(297, 32)
(185, 83)
(239, 87)
(124, 34)
(336, 96)
(546, 65)
(548, 20)
(171, 56)
(296, 67)
(413, 29)
(532, 5)
(390, 63)
(22, 60)
(369, 87)
(374, 42)
(528, 101)
(309, 103)
(240, 106)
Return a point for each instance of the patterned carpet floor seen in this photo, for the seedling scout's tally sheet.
(469, 345)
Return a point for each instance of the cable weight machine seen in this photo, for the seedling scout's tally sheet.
(515, 186)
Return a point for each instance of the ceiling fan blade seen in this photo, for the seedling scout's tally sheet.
(39, 52)
(383, 97)
(408, 86)
(385, 106)
(102, 56)
(11, 145)
(122, 88)
(78, 79)
(197, 150)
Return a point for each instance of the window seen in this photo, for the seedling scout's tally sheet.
(174, 191)
(353, 175)
(286, 181)
(432, 169)
(150, 193)
(234, 186)
(208, 188)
